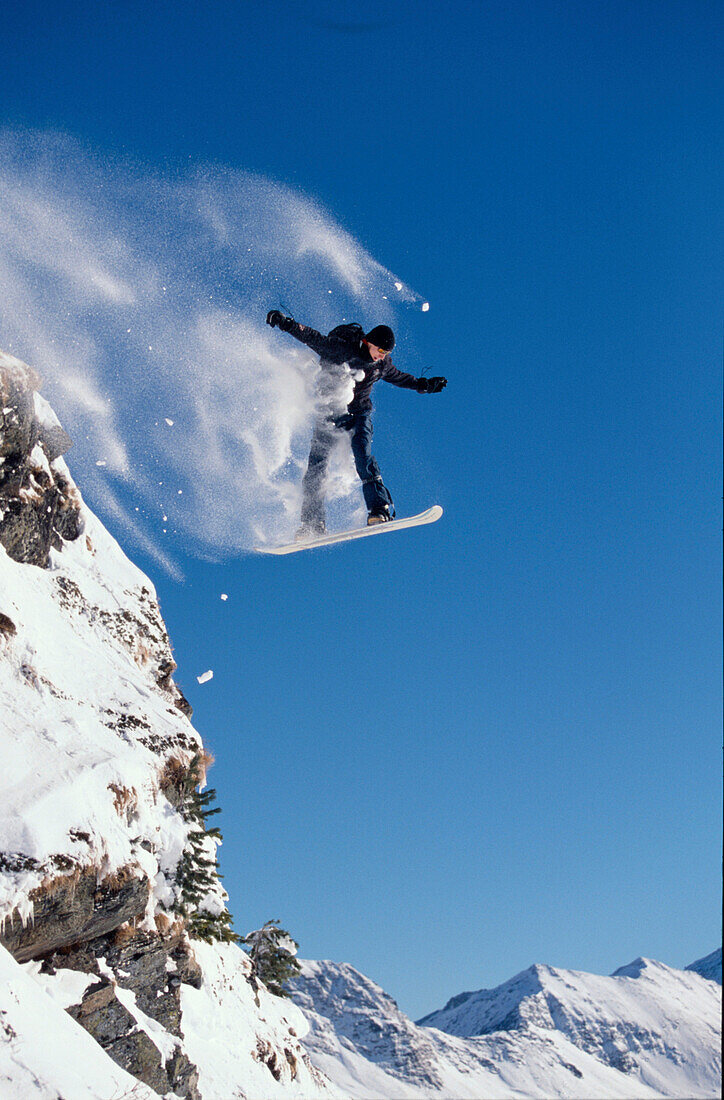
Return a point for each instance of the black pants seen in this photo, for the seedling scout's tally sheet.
(326, 434)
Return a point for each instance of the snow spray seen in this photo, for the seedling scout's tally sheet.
(141, 299)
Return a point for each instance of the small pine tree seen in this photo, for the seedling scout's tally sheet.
(272, 951)
(197, 872)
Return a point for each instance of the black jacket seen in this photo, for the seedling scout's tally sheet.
(334, 351)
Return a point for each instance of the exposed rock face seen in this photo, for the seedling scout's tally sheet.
(151, 969)
(7, 626)
(73, 909)
(39, 505)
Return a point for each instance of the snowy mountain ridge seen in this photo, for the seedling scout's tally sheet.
(709, 967)
(647, 1030)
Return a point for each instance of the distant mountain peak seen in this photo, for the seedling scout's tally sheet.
(709, 967)
(636, 968)
(646, 1031)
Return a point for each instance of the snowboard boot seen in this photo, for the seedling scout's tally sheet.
(381, 515)
(311, 530)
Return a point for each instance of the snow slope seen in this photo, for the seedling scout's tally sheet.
(95, 734)
(87, 732)
(87, 728)
(646, 1031)
(44, 1054)
(245, 1041)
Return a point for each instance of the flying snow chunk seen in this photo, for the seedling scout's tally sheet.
(169, 422)
(101, 463)
(398, 286)
(425, 307)
(224, 596)
(205, 677)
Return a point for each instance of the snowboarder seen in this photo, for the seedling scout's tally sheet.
(348, 355)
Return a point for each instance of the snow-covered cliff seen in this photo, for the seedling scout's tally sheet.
(99, 756)
(106, 991)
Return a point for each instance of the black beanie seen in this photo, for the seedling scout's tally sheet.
(382, 337)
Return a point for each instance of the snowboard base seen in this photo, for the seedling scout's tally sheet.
(430, 516)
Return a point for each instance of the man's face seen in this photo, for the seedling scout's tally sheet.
(376, 353)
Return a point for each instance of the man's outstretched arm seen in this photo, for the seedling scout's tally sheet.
(409, 382)
(306, 335)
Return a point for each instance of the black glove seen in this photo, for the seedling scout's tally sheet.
(275, 318)
(431, 385)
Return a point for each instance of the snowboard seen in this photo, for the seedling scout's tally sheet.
(430, 516)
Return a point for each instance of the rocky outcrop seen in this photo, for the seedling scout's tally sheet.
(139, 976)
(39, 507)
(114, 1028)
(72, 909)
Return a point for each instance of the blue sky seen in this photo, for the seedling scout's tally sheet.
(447, 754)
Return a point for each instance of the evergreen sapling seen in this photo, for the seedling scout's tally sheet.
(200, 897)
(272, 951)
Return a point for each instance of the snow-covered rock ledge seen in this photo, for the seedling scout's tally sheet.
(99, 756)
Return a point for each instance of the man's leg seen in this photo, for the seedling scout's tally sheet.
(377, 496)
(313, 514)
